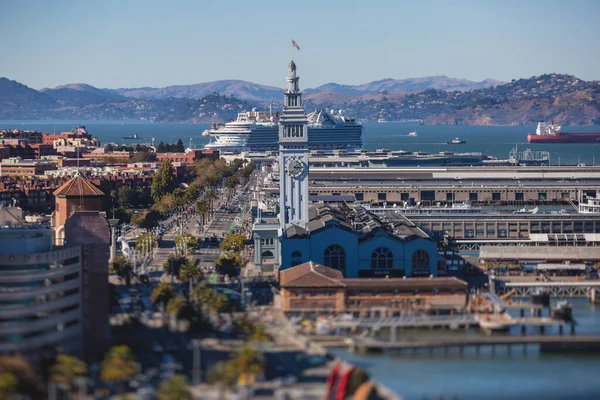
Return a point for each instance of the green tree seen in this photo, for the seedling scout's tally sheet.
(233, 242)
(145, 240)
(231, 183)
(190, 272)
(118, 365)
(162, 294)
(173, 264)
(203, 208)
(8, 385)
(66, 370)
(192, 193)
(228, 264)
(224, 375)
(187, 241)
(175, 305)
(259, 334)
(122, 215)
(120, 265)
(248, 363)
(175, 388)
(124, 195)
(161, 147)
(163, 181)
(211, 196)
(179, 147)
(146, 219)
(179, 197)
(28, 378)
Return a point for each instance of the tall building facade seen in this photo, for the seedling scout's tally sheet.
(40, 293)
(55, 297)
(293, 155)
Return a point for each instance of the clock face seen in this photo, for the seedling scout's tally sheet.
(295, 168)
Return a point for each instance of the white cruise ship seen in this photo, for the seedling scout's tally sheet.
(258, 131)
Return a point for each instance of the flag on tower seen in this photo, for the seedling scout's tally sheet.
(294, 44)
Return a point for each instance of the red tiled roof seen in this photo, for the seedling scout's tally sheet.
(78, 186)
(311, 274)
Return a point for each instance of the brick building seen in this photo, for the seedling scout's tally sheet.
(312, 288)
(77, 194)
(26, 151)
(189, 156)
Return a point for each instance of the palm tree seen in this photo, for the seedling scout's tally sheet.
(203, 208)
(66, 370)
(260, 334)
(174, 307)
(211, 197)
(175, 388)
(224, 374)
(120, 265)
(248, 364)
(118, 365)
(189, 271)
(161, 296)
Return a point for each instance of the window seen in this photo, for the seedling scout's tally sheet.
(519, 196)
(382, 196)
(449, 196)
(427, 195)
(382, 258)
(473, 196)
(359, 196)
(296, 258)
(335, 257)
(404, 196)
(420, 260)
(495, 196)
(542, 196)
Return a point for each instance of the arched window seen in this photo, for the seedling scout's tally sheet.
(296, 258)
(335, 257)
(420, 260)
(267, 254)
(382, 258)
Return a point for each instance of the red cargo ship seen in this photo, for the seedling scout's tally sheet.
(552, 134)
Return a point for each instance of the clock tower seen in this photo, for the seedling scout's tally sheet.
(293, 155)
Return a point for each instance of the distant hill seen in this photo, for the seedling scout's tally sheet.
(434, 100)
(18, 99)
(243, 90)
(81, 94)
(429, 82)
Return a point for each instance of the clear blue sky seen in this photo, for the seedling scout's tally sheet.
(132, 43)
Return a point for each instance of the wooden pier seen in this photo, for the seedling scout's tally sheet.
(550, 343)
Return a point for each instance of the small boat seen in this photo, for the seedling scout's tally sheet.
(562, 311)
(135, 136)
(456, 140)
(413, 133)
(541, 297)
(495, 323)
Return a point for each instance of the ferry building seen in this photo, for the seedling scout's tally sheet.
(345, 237)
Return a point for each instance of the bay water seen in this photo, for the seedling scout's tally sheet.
(469, 376)
(496, 141)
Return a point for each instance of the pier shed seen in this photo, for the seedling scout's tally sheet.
(549, 253)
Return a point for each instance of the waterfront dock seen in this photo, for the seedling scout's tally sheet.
(550, 343)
